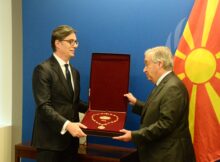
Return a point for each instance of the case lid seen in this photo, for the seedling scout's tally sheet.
(109, 81)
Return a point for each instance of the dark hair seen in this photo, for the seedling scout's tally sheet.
(60, 33)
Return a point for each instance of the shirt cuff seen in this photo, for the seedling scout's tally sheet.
(63, 131)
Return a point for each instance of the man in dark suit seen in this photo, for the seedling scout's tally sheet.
(56, 89)
(164, 134)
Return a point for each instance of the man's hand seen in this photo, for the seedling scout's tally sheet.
(126, 137)
(131, 98)
(75, 129)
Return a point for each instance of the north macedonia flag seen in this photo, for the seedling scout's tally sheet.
(197, 63)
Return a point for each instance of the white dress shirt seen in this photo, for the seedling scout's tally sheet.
(62, 65)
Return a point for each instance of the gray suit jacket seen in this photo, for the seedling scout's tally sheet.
(54, 105)
(164, 134)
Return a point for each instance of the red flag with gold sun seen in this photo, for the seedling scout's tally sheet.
(197, 63)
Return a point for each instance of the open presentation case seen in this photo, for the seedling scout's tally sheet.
(109, 81)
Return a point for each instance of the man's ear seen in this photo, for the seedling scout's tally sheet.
(161, 64)
(57, 43)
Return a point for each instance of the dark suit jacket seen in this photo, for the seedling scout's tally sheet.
(164, 134)
(54, 105)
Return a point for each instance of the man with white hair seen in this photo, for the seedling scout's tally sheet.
(164, 131)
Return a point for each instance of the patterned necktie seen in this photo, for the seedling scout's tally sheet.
(68, 78)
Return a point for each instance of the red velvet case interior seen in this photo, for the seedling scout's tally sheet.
(109, 81)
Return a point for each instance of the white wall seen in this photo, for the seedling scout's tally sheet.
(5, 62)
(10, 87)
(5, 80)
(5, 144)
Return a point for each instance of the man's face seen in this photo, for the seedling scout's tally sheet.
(151, 69)
(67, 46)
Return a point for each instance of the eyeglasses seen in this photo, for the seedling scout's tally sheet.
(72, 42)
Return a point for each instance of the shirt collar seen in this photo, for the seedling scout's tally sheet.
(60, 61)
(162, 76)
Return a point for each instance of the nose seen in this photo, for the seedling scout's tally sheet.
(145, 69)
(75, 45)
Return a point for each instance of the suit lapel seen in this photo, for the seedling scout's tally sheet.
(74, 76)
(56, 67)
(155, 92)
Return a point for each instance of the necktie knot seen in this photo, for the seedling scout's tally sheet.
(66, 65)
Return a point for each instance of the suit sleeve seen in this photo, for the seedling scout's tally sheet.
(138, 107)
(171, 109)
(41, 84)
(83, 106)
